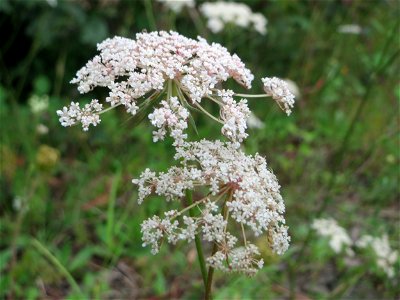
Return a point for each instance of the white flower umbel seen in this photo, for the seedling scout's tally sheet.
(162, 65)
(88, 115)
(339, 240)
(177, 5)
(237, 187)
(279, 90)
(221, 13)
(385, 256)
(254, 122)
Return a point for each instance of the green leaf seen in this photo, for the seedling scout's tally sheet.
(160, 285)
(193, 123)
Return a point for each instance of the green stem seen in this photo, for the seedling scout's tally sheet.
(214, 250)
(201, 29)
(109, 108)
(210, 276)
(197, 240)
(215, 100)
(46, 253)
(193, 204)
(169, 90)
(340, 290)
(251, 96)
(207, 113)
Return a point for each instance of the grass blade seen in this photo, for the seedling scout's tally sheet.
(48, 255)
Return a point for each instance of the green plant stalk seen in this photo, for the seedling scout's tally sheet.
(199, 247)
(341, 289)
(210, 274)
(47, 254)
(198, 23)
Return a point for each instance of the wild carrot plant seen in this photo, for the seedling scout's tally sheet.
(240, 196)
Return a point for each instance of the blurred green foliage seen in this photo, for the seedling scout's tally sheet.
(70, 225)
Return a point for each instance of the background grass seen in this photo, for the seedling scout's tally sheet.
(70, 224)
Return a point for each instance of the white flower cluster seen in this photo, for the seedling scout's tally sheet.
(234, 115)
(159, 62)
(254, 122)
(133, 68)
(242, 259)
(279, 90)
(88, 115)
(177, 5)
(38, 104)
(242, 184)
(171, 115)
(293, 87)
(339, 240)
(221, 13)
(385, 256)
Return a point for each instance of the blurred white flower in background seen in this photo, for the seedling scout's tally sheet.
(222, 13)
(385, 256)
(293, 87)
(42, 129)
(177, 5)
(339, 240)
(38, 104)
(215, 25)
(52, 3)
(254, 122)
(17, 203)
(350, 29)
(20, 204)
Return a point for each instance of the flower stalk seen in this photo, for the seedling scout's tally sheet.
(210, 273)
(199, 247)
